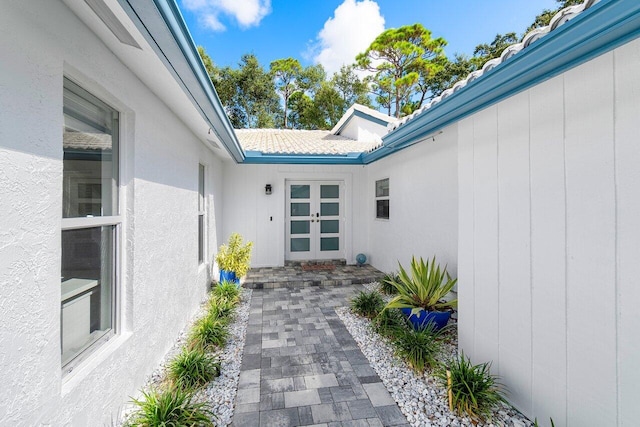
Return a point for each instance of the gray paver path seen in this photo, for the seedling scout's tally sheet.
(301, 367)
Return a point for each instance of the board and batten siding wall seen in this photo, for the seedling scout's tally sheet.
(423, 204)
(260, 218)
(549, 242)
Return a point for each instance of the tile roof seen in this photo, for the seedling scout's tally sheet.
(559, 19)
(292, 141)
(86, 141)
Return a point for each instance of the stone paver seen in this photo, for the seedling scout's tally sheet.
(303, 368)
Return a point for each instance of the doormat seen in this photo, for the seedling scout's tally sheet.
(318, 267)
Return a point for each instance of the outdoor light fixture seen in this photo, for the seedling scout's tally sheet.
(267, 189)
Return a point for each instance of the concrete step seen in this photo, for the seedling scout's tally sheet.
(297, 277)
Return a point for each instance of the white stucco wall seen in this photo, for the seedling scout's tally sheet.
(550, 241)
(423, 204)
(248, 210)
(161, 282)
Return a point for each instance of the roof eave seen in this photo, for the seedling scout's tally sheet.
(258, 157)
(604, 27)
(202, 94)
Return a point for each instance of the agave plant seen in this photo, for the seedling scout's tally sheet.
(424, 288)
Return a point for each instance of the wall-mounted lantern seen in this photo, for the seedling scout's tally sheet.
(267, 189)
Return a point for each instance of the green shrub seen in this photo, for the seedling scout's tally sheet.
(209, 331)
(367, 304)
(193, 368)
(387, 286)
(472, 389)
(425, 286)
(388, 322)
(221, 308)
(235, 255)
(173, 407)
(227, 290)
(418, 347)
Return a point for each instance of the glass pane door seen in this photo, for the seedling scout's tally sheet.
(314, 224)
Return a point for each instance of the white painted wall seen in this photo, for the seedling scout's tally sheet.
(550, 240)
(423, 205)
(362, 129)
(248, 210)
(161, 284)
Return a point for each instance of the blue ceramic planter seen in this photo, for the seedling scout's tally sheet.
(420, 320)
(228, 276)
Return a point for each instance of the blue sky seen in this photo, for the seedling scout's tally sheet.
(331, 32)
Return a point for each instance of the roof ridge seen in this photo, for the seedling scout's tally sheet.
(560, 18)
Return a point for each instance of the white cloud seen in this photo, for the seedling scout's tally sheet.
(247, 13)
(354, 25)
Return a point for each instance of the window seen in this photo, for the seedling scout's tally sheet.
(90, 223)
(382, 198)
(201, 215)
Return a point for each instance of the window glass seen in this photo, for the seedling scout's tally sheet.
(382, 198)
(300, 244)
(330, 244)
(329, 191)
(329, 209)
(300, 209)
(90, 189)
(90, 145)
(300, 227)
(201, 214)
(330, 226)
(300, 191)
(86, 288)
(382, 188)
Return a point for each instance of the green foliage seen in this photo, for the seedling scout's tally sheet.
(535, 422)
(389, 322)
(174, 407)
(367, 304)
(472, 389)
(400, 57)
(286, 73)
(418, 348)
(425, 287)
(387, 286)
(227, 290)
(209, 331)
(193, 368)
(221, 308)
(235, 255)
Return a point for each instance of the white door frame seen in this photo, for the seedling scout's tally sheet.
(311, 221)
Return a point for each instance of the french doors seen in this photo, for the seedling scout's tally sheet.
(314, 220)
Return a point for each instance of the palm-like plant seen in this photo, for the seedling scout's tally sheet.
(425, 287)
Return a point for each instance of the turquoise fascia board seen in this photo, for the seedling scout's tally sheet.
(601, 28)
(257, 157)
(174, 21)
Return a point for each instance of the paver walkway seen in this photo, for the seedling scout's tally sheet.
(302, 367)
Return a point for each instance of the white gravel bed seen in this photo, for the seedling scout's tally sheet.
(420, 398)
(221, 392)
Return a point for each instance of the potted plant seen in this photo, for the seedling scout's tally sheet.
(233, 259)
(421, 294)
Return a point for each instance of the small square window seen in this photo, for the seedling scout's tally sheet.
(382, 198)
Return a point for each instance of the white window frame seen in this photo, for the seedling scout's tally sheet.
(382, 197)
(202, 214)
(116, 220)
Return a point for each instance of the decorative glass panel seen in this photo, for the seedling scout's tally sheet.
(328, 209)
(300, 227)
(300, 209)
(382, 188)
(90, 152)
(330, 226)
(330, 243)
(200, 187)
(329, 191)
(300, 191)
(300, 244)
(382, 209)
(86, 288)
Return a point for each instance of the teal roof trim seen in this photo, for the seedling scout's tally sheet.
(198, 86)
(257, 157)
(599, 29)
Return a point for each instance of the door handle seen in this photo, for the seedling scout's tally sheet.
(317, 215)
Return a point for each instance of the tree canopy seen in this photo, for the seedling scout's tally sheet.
(406, 67)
